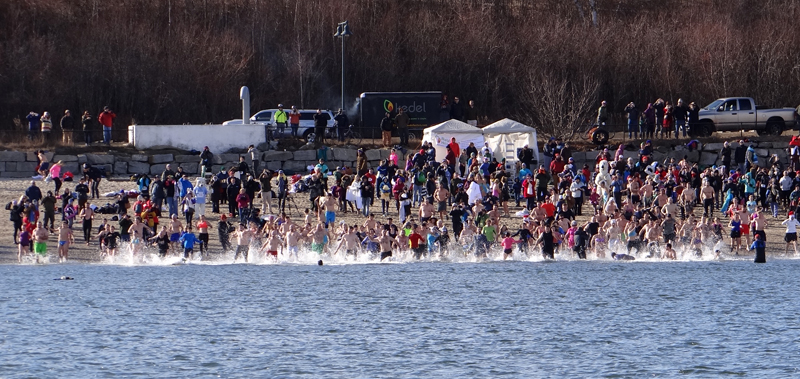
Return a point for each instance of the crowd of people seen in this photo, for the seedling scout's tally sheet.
(658, 119)
(632, 207)
(41, 127)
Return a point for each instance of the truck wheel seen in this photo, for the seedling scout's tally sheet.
(308, 135)
(774, 128)
(706, 129)
(600, 137)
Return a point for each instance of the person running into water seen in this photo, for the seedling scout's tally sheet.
(293, 241)
(791, 232)
(350, 242)
(175, 229)
(760, 247)
(24, 244)
(386, 243)
(40, 237)
(162, 241)
(548, 243)
(187, 240)
(202, 236)
(318, 237)
(243, 238)
(508, 245)
(111, 240)
(65, 238)
(271, 246)
(736, 233)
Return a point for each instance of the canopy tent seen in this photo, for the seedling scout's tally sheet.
(506, 137)
(440, 135)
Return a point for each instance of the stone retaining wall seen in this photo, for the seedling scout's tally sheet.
(19, 164)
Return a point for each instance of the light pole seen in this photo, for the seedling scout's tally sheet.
(342, 31)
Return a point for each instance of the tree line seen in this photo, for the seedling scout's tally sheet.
(182, 61)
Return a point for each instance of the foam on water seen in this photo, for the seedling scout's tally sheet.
(454, 254)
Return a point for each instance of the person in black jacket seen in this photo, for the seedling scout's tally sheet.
(320, 122)
(367, 194)
(725, 154)
(232, 191)
(83, 192)
(16, 217)
(157, 193)
(95, 175)
(67, 128)
(386, 129)
(342, 122)
(525, 156)
(87, 122)
(224, 228)
(457, 110)
(206, 160)
(740, 156)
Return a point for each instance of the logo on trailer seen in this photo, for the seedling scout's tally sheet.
(388, 106)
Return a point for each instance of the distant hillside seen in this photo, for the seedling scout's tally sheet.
(181, 61)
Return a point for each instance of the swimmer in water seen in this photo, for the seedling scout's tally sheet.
(622, 257)
(669, 253)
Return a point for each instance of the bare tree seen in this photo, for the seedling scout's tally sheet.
(558, 105)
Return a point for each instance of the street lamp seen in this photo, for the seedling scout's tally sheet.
(342, 31)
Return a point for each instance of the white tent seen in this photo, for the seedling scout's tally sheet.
(440, 135)
(506, 137)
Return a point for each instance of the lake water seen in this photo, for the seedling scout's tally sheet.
(420, 320)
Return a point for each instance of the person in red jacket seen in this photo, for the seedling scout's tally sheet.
(556, 168)
(529, 191)
(106, 118)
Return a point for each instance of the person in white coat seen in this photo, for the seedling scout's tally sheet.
(200, 194)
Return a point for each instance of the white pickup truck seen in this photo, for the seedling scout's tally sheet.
(742, 113)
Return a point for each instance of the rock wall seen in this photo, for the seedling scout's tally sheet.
(20, 164)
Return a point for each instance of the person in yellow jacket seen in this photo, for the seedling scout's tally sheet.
(281, 119)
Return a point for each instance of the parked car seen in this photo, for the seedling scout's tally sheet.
(742, 113)
(306, 129)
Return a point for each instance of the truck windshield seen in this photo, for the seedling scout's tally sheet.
(713, 106)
